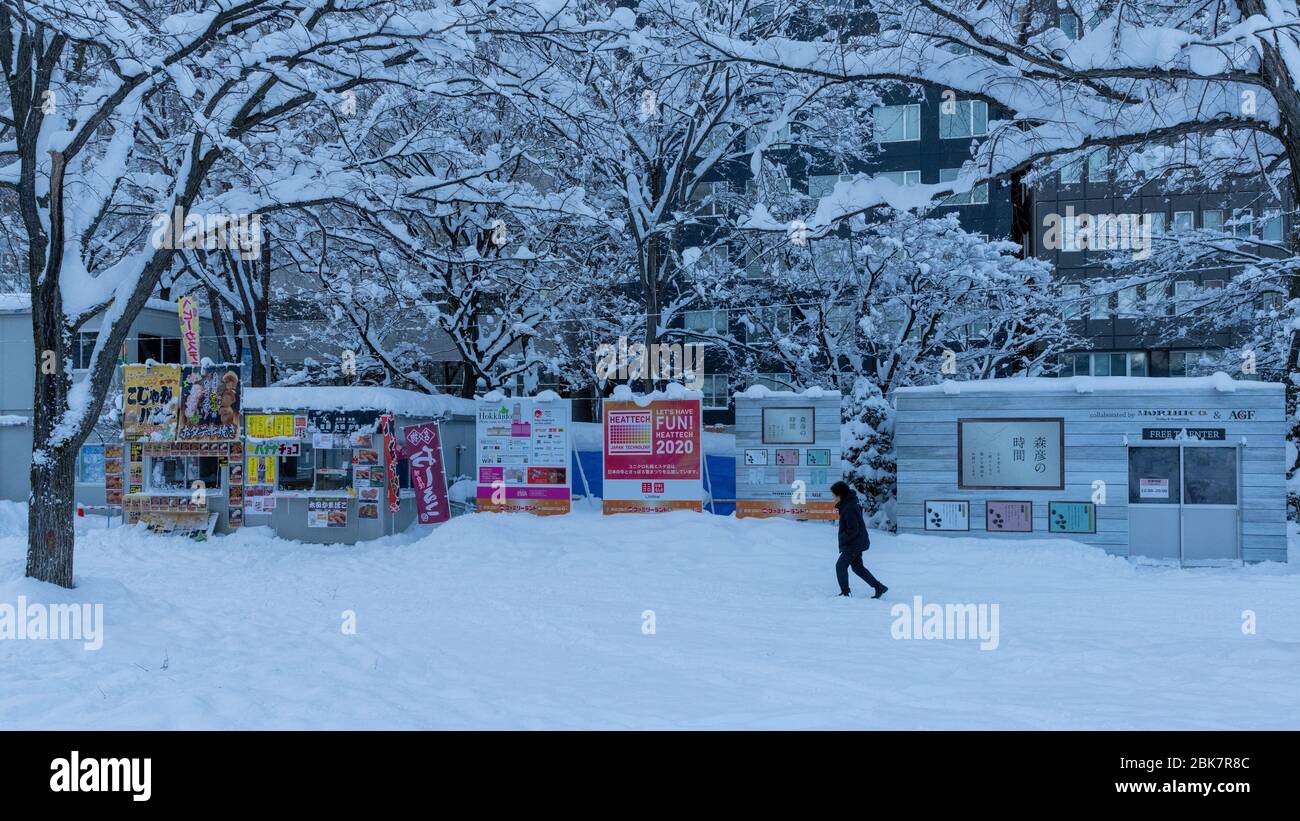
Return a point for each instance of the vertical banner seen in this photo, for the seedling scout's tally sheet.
(113, 474)
(150, 395)
(523, 455)
(653, 455)
(210, 404)
(423, 447)
(392, 481)
(189, 312)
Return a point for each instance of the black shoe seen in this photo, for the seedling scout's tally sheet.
(880, 591)
(848, 595)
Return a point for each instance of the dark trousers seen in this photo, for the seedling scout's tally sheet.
(853, 559)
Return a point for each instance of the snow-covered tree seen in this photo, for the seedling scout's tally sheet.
(115, 117)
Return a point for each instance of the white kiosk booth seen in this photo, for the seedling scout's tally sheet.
(1189, 470)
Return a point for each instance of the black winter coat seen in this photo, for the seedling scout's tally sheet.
(853, 530)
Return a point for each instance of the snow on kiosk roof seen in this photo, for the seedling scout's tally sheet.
(1188, 470)
(356, 398)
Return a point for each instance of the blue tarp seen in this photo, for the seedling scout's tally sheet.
(720, 479)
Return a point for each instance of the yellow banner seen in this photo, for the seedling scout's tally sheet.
(150, 396)
(270, 426)
(261, 470)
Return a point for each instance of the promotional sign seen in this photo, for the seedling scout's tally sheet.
(947, 515)
(787, 454)
(113, 474)
(1153, 488)
(391, 455)
(327, 512)
(210, 403)
(261, 470)
(341, 423)
(1009, 517)
(653, 456)
(1168, 434)
(149, 401)
(270, 426)
(1071, 517)
(523, 455)
(423, 447)
(189, 312)
(1011, 454)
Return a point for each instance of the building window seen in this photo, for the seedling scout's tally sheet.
(171, 474)
(1104, 363)
(831, 252)
(979, 195)
(1184, 363)
(901, 178)
(715, 391)
(1072, 308)
(1183, 291)
(1243, 223)
(1098, 161)
(774, 381)
(767, 321)
(710, 198)
(753, 134)
(1072, 173)
(1184, 220)
(90, 465)
(161, 349)
(1099, 307)
(1070, 25)
(705, 322)
(1212, 219)
(896, 123)
(83, 347)
(964, 118)
(1157, 221)
(1128, 300)
(819, 185)
(1271, 231)
(839, 319)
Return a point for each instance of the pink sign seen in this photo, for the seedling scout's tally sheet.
(423, 447)
(189, 311)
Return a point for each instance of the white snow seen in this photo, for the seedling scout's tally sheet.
(764, 392)
(505, 621)
(355, 398)
(11, 421)
(1216, 383)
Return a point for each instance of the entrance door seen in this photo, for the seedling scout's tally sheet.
(1211, 523)
(1184, 502)
(1154, 500)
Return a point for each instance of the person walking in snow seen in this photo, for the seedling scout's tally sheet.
(853, 540)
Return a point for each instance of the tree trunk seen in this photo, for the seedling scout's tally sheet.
(50, 516)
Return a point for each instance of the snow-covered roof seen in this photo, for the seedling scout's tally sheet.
(7, 421)
(673, 390)
(355, 398)
(22, 304)
(761, 392)
(1217, 383)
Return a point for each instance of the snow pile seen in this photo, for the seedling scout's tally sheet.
(355, 398)
(762, 392)
(1216, 383)
(671, 621)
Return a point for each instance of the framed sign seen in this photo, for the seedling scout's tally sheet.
(1008, 517)
(756, 456)
(947, 515)
(1071, 517)
(789, 426)
(1011, 454)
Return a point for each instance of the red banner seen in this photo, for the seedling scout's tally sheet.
(423, 447)
(391, 456)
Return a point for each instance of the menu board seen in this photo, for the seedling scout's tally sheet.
(1071, 517)
(1009, 517)
(1010, 454)
(523, 455)
(327, 512)
(789, 426)
(947, 515)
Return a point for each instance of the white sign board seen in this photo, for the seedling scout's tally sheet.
(996, 454)
(947, 515)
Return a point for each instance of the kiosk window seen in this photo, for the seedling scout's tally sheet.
(170, 473)
(295, 472)
(333, 469)
(1153, 476)
(1210, 476)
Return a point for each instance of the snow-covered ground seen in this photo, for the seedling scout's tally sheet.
(518, 622)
